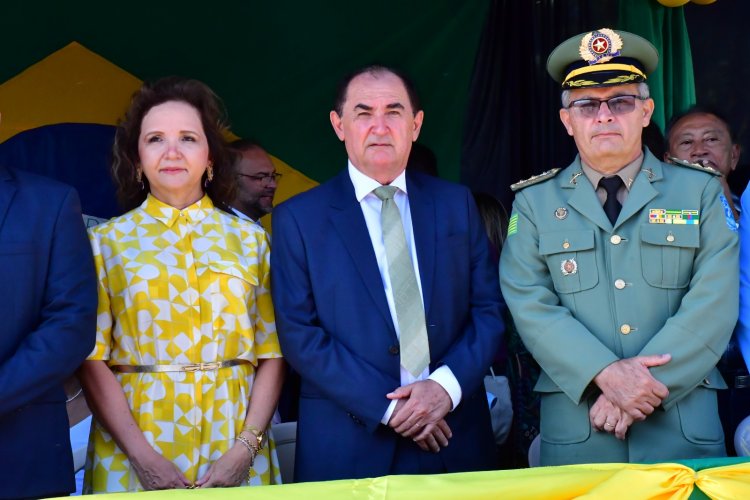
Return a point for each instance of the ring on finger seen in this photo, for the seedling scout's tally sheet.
(607, 424)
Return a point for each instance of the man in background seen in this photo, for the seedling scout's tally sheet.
(256, 181)
(702, 135)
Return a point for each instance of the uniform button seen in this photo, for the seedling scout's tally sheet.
(670, 237)
(619, 284)
(706, 381)
(394, 350)
(566, 245)
(615, 239)
(625, 329)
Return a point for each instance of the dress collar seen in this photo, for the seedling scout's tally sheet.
(168, 215)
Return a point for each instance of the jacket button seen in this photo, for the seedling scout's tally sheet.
(615, 239)
(620, 284)
(394, 350)
(625, 329)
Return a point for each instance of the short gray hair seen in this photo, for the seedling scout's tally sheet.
(643, 92)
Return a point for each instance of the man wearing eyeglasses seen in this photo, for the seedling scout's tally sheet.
(256, 181)
(620, 273)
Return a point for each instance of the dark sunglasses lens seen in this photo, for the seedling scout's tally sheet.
(621, 105)
(587, 107)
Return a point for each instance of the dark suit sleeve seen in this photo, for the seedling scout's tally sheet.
(339, 373)
(477, 344)
(66, 329)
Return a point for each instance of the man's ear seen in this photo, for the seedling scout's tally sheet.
(565, 119)
(337, 125)
(648, 111)
(736, 150)
(418, 119)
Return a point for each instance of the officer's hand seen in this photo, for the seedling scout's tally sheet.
(605, 416)
(629, 385)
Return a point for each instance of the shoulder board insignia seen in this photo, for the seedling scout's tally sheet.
(535, 179)
(695, 166)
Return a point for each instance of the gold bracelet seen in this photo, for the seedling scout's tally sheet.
(252, 449)
(259, 434)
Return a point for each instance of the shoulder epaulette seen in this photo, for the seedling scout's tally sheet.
(694, 166)
(535, 179)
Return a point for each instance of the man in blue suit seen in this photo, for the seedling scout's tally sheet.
(366, 409)
(48, 310)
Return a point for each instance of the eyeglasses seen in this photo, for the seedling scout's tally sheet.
(263, 178)
(618, 105)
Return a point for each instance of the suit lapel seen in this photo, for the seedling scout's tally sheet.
(350, 224)
(7, 191)
(423, 221)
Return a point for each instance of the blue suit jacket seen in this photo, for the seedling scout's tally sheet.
(336, 330)
(48, 309)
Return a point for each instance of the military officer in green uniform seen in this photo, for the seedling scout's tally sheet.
(621, 273)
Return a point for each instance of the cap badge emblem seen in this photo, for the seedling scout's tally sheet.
(600, 46)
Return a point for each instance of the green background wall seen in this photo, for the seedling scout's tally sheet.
(275, 64)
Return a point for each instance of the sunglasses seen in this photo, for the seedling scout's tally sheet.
(618, 105)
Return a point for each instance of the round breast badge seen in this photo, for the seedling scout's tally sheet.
(568, 266)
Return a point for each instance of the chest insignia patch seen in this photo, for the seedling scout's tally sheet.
(561, 213)
(568, 266)
(664, 216)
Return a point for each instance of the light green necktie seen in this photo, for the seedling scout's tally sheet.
(415, 349)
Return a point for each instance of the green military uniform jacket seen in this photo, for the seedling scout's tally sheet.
(584, 294)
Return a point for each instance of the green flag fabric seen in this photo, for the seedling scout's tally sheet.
(672, 84)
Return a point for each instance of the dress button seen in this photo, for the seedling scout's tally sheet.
(394, 350)
(619, 284)
(615, 239)
(625, 329)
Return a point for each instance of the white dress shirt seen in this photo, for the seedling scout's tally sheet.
(371, 204)
(244, 216)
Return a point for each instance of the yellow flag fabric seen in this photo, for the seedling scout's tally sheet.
(76, 86)
(668, 481)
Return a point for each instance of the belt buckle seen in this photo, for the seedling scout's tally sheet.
(203, 367)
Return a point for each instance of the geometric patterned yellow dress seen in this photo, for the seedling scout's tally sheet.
(181, 287)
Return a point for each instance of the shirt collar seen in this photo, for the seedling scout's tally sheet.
(168, 215)
(364, 185)
(243, 215)
(627, 173)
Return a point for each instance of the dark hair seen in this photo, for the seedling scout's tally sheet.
(126, 160)
(422, 159)
(375, 70)
(697, 110)
(495, 218)
(246, 144)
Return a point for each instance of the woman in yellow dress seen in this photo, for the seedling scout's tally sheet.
(186, 371)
